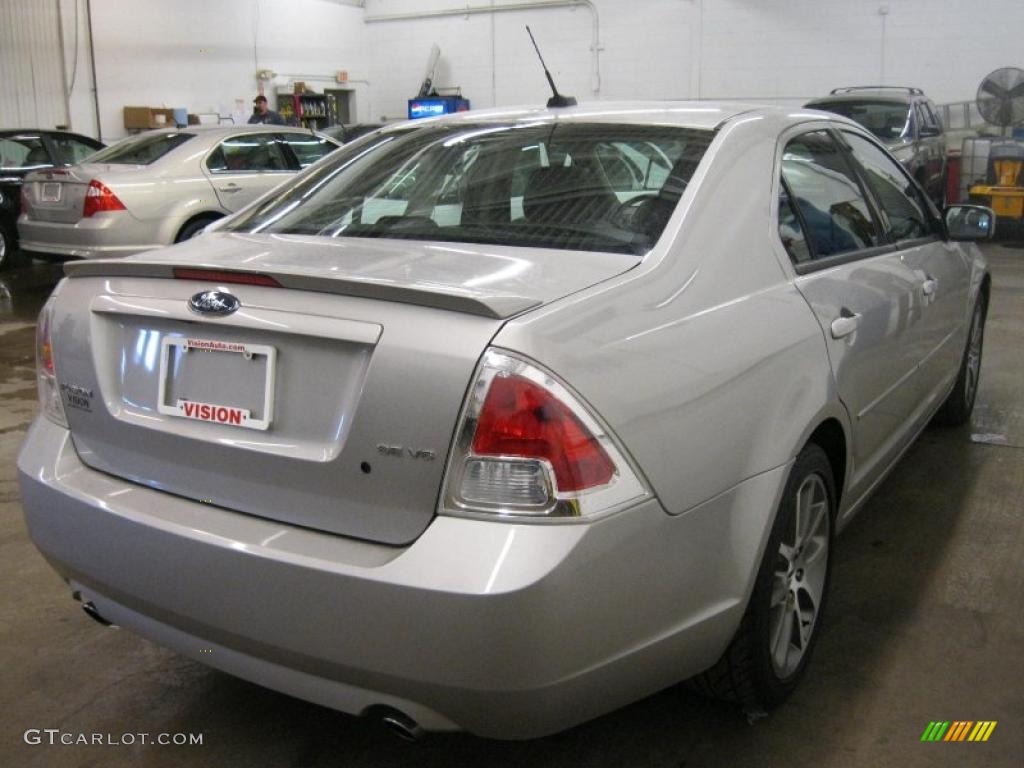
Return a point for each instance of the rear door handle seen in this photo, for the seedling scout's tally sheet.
(845, 324)
(231, 188)
(929, 286)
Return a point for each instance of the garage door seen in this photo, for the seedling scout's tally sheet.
(31, 59)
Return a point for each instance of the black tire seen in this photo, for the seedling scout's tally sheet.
(10, 256)
(747, 673)
(956, 410)
(193, 228)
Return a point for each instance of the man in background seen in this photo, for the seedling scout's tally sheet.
(261, 114)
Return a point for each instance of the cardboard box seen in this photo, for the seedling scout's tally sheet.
(136, 118)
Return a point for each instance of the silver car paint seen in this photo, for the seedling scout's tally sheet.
(160, 198)
(707, 362)
(354, 373)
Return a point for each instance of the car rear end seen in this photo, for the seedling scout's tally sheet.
(92, 210)
(309, 462)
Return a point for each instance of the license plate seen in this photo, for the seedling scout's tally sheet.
(50, 192)
(221, 382)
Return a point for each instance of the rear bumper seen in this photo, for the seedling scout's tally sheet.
(101, 236)
(511, 631)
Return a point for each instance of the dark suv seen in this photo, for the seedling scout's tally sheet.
(905, 119)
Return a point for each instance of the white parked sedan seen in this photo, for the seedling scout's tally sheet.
(504, 420)
(158, 188)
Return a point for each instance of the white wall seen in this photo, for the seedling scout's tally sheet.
(775, 50)
(644, 51)
(795, 49)
(204, 54)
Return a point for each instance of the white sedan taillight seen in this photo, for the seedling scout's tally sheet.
(46, 371)
(526, 446)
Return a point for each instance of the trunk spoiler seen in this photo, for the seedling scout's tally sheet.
(495, 306)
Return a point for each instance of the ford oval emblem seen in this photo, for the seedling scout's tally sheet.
(214, 303)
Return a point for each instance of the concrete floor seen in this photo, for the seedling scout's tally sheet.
(925, 623)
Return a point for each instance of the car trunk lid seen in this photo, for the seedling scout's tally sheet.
(358, 365)
(58, 194)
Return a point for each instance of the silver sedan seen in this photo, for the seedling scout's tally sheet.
(158, 188)
(501, 421)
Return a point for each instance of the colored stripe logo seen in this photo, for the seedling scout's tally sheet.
(959, 730)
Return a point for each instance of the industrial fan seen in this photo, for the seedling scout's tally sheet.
(1000, 101)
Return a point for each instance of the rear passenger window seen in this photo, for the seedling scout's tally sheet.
(252, 152)
(826, 197)
(308, 149)
(905, 214)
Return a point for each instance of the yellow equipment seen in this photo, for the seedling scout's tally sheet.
(1004, 192)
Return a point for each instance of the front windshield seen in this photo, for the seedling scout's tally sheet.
(579, 186)
(888, 120)
(143, 149)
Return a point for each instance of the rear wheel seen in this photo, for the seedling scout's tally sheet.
(777, 634)
(958, 406)
(193, 228)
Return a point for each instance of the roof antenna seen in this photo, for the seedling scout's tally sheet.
(557, 100)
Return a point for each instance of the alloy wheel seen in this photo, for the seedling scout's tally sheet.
(974, 355)
(798, 579)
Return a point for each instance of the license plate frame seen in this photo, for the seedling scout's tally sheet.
(50, 191)
(217, 346)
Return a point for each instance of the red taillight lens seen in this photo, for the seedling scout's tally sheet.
(46, 374)
(98, 198)
(528, 447)
(522, 419)
(222, 276)
(44, 347)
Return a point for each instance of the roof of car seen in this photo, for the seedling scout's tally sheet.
(894, 95)
(36, 131)
(218, 130)
(690, 114)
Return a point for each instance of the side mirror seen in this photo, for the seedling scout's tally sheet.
(970, 222)
(929, 132)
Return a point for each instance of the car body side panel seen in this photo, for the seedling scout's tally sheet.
(944, 329)
(165, 201)
(724, 362)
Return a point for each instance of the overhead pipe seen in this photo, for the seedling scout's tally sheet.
(532, 5)
(92, 64)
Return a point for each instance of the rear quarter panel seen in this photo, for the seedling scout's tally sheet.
(705, 360)
(170, 192)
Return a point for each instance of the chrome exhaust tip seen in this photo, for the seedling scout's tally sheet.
(401, 725)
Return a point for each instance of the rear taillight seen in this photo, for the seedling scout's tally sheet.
(528, 446)
(99, 198)
(46, 371)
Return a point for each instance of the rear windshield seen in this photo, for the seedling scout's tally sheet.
(579, 186)
(142, 149)
(23, 153)
(888, 120)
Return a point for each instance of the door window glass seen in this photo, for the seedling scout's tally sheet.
(19, 153)
(905, 215)
(933, 115)
(71, 150)
(791, 231)
(309, 148)
(249, 153)
(835, 214)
